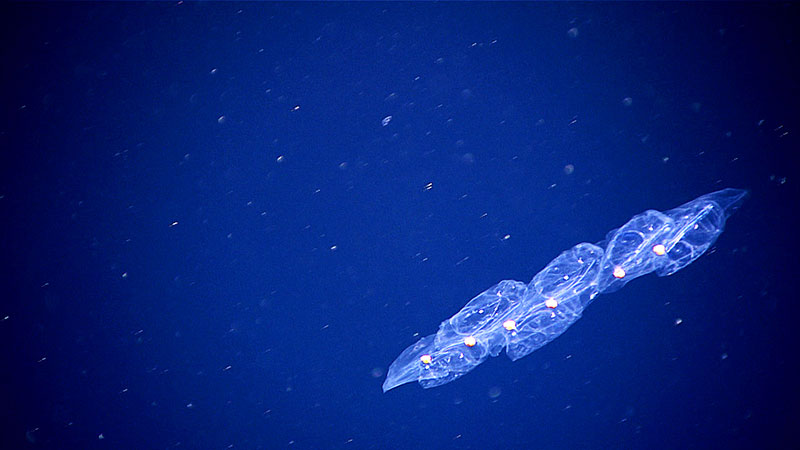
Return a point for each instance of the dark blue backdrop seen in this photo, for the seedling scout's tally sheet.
(221, 222)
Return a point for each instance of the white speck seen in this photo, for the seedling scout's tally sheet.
(386, 120)
(280, 159)
(678, 321)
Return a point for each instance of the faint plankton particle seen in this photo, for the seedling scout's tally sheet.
(386, 120)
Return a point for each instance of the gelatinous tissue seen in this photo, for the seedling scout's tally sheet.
(521, 318)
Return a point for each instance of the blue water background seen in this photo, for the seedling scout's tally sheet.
(221, 222)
